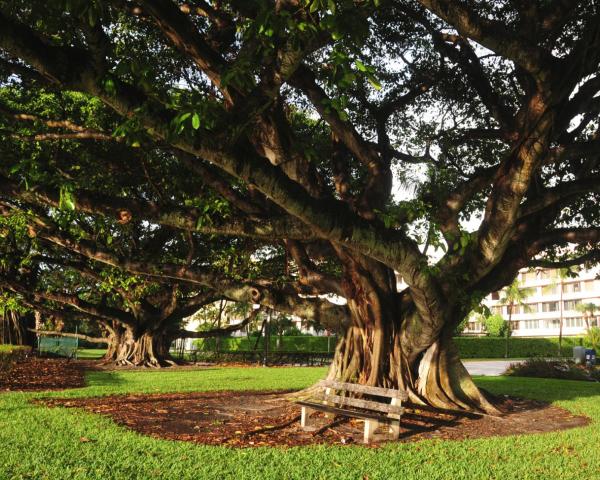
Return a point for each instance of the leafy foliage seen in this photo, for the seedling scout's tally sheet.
(495, 325)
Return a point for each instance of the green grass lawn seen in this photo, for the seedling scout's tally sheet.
(90, 353)
(37, 442)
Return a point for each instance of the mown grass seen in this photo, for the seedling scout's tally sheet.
(38, 442)
(9, 348)
(90, 353)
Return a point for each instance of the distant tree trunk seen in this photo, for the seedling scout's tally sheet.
(219, 317)
(508, 330)
(560, 325)
(139, 347)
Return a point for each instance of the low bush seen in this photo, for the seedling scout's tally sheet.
(491, 347)
(469, 347)
(592, 338)
(561, 369)
(303, 343)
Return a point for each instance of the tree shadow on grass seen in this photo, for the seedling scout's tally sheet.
(545, 389)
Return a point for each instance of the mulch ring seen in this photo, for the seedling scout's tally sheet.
(40, 374)
(248, 419)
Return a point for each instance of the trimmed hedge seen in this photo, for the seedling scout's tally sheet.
(494, 347)
(304, 343)
(469, 347)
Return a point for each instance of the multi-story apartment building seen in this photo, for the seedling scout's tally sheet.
(550, 298)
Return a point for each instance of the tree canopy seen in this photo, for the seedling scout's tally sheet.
(288, 152)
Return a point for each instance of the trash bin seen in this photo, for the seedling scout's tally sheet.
(579, 354)
(590, 357)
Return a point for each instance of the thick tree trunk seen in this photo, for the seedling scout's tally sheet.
(390, 345)
(147, 348)
(435, 376)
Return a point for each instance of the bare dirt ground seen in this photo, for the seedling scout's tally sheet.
(39, 374)
(247, 419)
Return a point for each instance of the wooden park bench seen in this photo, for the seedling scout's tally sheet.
(383, 406)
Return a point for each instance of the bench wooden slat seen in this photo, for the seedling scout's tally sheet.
(349, 413)
(356, 388)
(360, 403)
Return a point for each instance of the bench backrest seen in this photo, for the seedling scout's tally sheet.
(366, 389)
(394, 406)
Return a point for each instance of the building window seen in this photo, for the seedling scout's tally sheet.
(531, 324)
(571, 304)
(549, 290)
(589, 285)
(553, 323)
(495, 295)
(572, 287)
(529, 277)
(574, 322)
(546, 274)
(497, 310)
(531, 308)
(550, 307)
(514, 309)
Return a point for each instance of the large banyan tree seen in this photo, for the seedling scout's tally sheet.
(449, 142)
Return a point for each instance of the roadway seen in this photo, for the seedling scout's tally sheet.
(488, 367)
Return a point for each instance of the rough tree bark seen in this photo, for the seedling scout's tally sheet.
(139, 347)
(388, 344)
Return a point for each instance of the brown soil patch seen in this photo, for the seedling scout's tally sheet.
(246, 419)
(39, 374)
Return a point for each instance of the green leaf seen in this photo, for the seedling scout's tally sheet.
(361, 66)
(374, 82)
(184, 117)
(196, 121)
(109, 86)
(66, 199)
(464, 241)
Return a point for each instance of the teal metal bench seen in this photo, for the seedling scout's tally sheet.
(58, 346)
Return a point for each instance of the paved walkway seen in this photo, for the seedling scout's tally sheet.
(488, 367)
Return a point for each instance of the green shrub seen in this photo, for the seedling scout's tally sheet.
(565, 370)
(302, 343)
(495, 325)
(592, 338)
(469, 347)
(491, 347)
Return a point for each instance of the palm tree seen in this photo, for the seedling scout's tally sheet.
(562, 274)
(513, 296)
(588, 310)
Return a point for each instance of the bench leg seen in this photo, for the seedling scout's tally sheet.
(304, 417)
(370, 427)
(328, 415)
(395, 430)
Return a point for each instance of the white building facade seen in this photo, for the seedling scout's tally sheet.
(551, 297)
